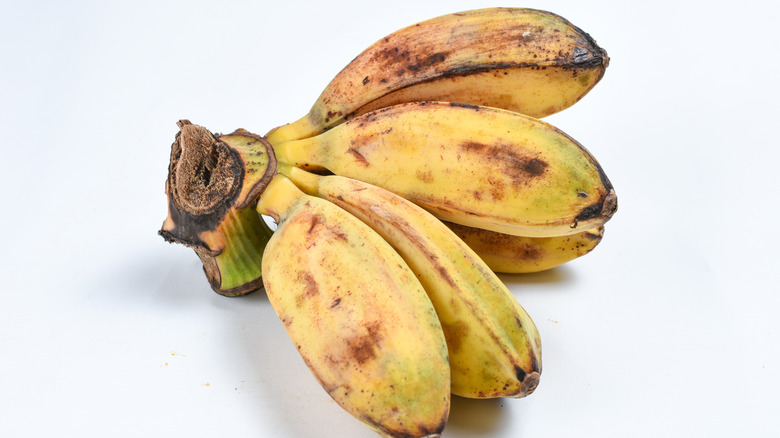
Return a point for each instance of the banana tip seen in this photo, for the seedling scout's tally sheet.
(609, 207)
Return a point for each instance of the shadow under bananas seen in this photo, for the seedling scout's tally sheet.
(275, 379)
(558, 276)
(472, 417)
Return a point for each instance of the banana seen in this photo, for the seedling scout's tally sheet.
(475, 166)
(519, 254)
(356, 313)
(525, 60)
(494, 346)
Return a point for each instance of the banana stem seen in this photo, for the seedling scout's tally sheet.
(213, 182)
(301, 128)
(279, 198)
(306, 181)
(304, 153)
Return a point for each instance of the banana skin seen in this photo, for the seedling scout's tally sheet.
(494, 346)
(357, 315)
(522, 255)
(525, 60)
(476, 166)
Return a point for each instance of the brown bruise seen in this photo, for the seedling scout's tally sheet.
(520, 169)
(364, 346)
(455, 333)
(310, 288)
(359, 158)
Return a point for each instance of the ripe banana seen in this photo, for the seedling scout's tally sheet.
(356, 313)
(530, 61)
(494, 346)
(519, 254)
(476, 166)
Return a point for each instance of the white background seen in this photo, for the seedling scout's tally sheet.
(668, 329)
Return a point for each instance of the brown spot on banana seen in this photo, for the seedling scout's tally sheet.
(310, 288)
(359, 158)
(520, 169)
(455, 332)
(363, 347)
(425, 176)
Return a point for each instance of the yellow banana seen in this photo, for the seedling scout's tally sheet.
(356, 313)
(476, 166)
(494, 346)
(519, 254)
(530, 61)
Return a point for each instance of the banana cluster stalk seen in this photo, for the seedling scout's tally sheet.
(420, 172)
(212, 190)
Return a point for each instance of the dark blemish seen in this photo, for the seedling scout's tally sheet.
(520, 373)
(582, 194)
(535, 167)
(434, 59)
(445, 274)
(464, 105)
(604, 208)
(365, 80)
(518, 322)
(520, 169)
(383, 81)
(338, 234)
(472, 145)
(477, 195)
(310, 288)
(358, 156)
(594, 235)
(314, 221)
(529, 252)
(363, 348)
(535, 365)
(336, 302)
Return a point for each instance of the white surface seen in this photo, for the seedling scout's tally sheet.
(668, 329)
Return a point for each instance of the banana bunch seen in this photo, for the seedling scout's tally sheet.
(420, 172)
